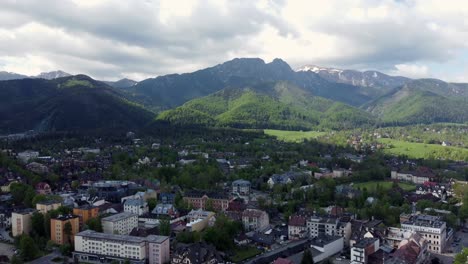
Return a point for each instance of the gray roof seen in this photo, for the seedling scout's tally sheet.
(126, 238)
(134, 202)
(118, 217)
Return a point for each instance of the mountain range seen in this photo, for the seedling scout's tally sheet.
(66, 104)
(245, 92)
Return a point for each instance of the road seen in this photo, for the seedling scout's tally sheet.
(6, 249)
(47, 258)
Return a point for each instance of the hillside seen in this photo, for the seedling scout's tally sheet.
(173, 90)
(267, 105)
(422, 101)
(122, 83)
(68, 103)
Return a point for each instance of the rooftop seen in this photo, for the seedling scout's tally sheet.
(119, 217)
(65, 217)
(115, 237)
(365, 242)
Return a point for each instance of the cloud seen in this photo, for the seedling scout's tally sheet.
(411, 70)
(111, 39)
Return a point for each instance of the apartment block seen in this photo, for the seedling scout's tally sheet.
(122, 223)
(58, 232)
(94, 247)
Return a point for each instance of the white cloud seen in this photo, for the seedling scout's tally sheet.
(113, 39)
(411, 70)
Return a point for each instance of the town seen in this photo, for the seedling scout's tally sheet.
(225, 196)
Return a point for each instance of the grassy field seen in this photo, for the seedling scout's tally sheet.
(386, 185)
(243, 253)
(293, 136)
(421, 150)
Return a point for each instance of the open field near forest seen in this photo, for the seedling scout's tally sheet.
(421, 150)
(293, 136)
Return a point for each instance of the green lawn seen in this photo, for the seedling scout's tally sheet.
(293, 136)
(421, 150)
(386, 185)
(243, 253)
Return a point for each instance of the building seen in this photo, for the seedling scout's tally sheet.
(165, 209)
(43, 188)
(203, 200)
(136, 206)
(21, 222)
(323, 247)
(27, 155)
(255, 220)
(431, 228)
(361, 250)
(419, 176)
(197, 220)
(241, 187)
(413, 250)
(297, 227)
(121, 223)
(200, 253)
(330, 226)
(46, 206)
(37, 168)
(94, 247)
(86, 212)
(58, 230)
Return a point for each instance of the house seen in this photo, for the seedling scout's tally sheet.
(43, 188)
(136, 206)
(205, 200)
(413, 250)
(241, 187)
(46, 206)
(37, 168)
(200, 253)
(167, 198)
(165, 209)
(297, 227)
(347, 191)
(285, 178)
(255, 220)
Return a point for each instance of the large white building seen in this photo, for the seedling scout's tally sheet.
(241, 187)
(94, 247)
(431, 228)
(416, 177)
(122, 223)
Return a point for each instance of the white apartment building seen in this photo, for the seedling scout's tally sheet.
(136, 206)
(413, 177)
(21, 222)
(122, 223)
(94, 247)
(330, 226)
(255, 220)
(431, 228)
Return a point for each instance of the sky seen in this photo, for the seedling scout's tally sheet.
(138, 39)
